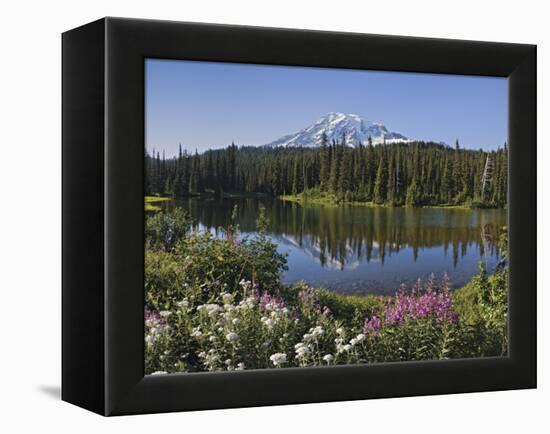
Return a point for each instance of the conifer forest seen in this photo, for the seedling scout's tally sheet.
(399, 174)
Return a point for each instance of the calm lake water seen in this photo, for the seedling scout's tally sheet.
(364, 250)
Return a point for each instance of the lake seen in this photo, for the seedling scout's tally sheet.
(361, 249)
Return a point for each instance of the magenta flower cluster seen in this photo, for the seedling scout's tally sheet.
(152, 317)
(432, 301)
(414, 306)
(308, 296)
(267, 299)
(372, 326)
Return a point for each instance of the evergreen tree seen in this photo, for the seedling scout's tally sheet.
(296, 178)
(370, 169)
(344, 180)
(381, 183)
(324, 163)
(334, 165)
(415, 173)
(446, 191)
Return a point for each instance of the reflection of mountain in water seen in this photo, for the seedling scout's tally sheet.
(343, 237)
(314, 251)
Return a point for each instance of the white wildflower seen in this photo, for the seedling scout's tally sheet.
(229, 308)
(268, 322)
(183, 303)
(165, 313)
(227, 298)
(278, 359)
(211, 309)
(245, 284)
(302, 349)
(328, 358)
(196, 332)
(240, 366)
(317, 331)
(232, 336)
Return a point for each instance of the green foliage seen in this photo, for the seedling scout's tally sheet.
(150, 202)
(182, 263)
(163, 230)
(483, 307)
(233, 332)
(152, 208)
(216, 303)
(413, 195)
(380, 186)
(416, 174)
(349, 307)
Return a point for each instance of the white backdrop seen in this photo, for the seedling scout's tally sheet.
(30, 171)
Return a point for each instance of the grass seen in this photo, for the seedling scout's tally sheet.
(152, 208)
(450, 206)
(242, 194)
(330, 200)
(325, 199)
(467, 304)
(350, 307)
(151, 200)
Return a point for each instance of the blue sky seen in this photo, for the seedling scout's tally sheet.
(206, 105)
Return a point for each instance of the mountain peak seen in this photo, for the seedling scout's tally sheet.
(354, 129)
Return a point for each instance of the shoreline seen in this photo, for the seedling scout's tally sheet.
(324, 200)
(329, 202)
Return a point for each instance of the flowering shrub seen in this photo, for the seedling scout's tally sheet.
(260, 330)
(216, 304)
(202, 266)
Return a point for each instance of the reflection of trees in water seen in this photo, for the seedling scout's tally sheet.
(335, 233)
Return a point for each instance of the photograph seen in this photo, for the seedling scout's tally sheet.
(241, 217)
(314, 217)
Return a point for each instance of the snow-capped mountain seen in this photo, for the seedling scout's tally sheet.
(336, 126)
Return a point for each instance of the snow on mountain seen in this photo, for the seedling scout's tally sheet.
(352, 128)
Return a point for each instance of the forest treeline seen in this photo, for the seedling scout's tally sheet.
(412, 174)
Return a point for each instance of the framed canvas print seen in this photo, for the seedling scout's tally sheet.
(263, 216)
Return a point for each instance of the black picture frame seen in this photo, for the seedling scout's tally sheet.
(103, 250)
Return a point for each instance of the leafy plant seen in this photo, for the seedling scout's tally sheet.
(217, 303)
